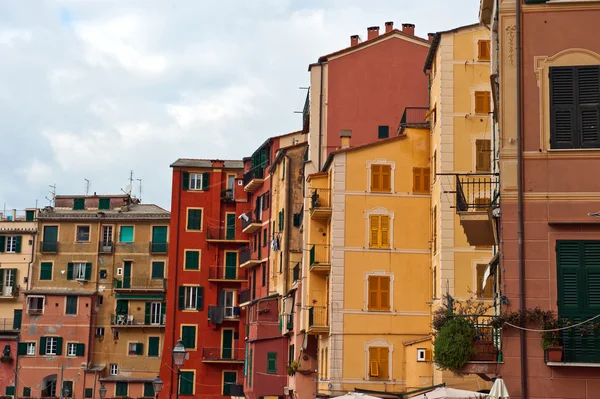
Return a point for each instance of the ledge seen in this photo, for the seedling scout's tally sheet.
(561, 364)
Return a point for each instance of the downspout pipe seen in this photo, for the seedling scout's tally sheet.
(176, 266)
(521, 224)
(321, 112)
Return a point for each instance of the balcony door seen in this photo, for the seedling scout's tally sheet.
(227, 345)
(107, 232)
(127, 274)
(155, 313)
(230, 265)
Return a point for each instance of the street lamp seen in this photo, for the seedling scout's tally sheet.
(179, 357)
(102, 391)
(157, 384)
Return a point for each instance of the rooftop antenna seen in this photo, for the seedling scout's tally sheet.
(87, 186)
(302, 88)
(130, 185)
(52, 194)
(140, 180)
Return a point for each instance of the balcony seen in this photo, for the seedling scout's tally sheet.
(320, 203)
(320, 261)
(253, 179)
(245, 297)
(486, 346)
(414, 117)
(295, 273)
(222, 234)
(248, 258)
(318, 320)
(138, 320)
(250, 224)
(159, 247)
(48, 247)
(139, 284)
(105, 247)
(222, 355)
(226, 274)
(8, 325)
(227, 195)
(474, 197)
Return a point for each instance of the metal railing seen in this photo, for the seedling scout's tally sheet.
(223, 353)
(139, 283)
(318, 316)
(7, 325)
(488, 339)
(247, 254)
(320, 198)
(105, 247)
(306, 112)
(414, 116)
(227, 195)
(220, 233)
(137, 319)
(245, 295)
(475, 192)
(319, 254)
(159, 247)
(49, 247)
(249, 220)
(256, 173)
(226, 273)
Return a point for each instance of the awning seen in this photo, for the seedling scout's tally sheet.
(490, 269)
(157, 297)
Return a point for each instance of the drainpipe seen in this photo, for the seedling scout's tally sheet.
(521, 224)
(287, 224)
(176, 265)
(30, 266)
(320, 116)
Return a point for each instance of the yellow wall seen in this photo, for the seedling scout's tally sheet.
(418, 374)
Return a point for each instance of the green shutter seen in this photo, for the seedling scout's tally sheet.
(153, 346)
(229, 379)
(231, 265)
(185, 181)
(205, 181)
(230, 226)
(126, 234)
(148, 390)
(10, 391)
(181, 301)
(15, 273)
(121, 389)
(27, 392)
(186, 383)
(67, 386)
(80, 350)
(200, 301)
(272, 362)
(188, 336)
(78, 204)
(163, 312)
(71, 307)
(17, 318)
(59, 344)
(104, 204)
(192, 260)
(194, 219)
(2, 243)
(29, 215)
(22, 348)
(46, 271)
(42, 350)
(139, 348)
(158, 270)
(70, 271)
(568, 259)
(19, 242)
(88, 271)
(147, 313)
(89, 392)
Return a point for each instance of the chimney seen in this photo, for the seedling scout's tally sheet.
(353, 40)
(430, 36)
(409, 29)
(389, 26)
(372, 32)
(345, 135)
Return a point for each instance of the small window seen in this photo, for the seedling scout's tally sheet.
(51, 345)
(379, 293)
(488, 291)
(71, 349)
(158, 270)
(26, 392)
(482, 102)
(378, 363)
(379, 231)
(381, 178)
(132, 348)
(229, 304)
(79, 271)
(99, 332)
(421, 184)
(30, 348)
(483, 50)
(194, 221)
(71, 307)
(192, 260)
(191, 298)
(11, 244)
(188, 336)
(114, 369)
(483, 160)
(35, 304)
(78, 204)
(126, 234)
(187, 382)
(383, 132)
(420, 355)
(83, 233)
(115, 334)
(229, 379)
(121, 389)
(195, 181)
(88, 393)
(272, 362)
(104, 204)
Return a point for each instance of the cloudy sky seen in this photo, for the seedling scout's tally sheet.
(91, 89)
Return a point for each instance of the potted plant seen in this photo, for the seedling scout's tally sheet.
(552, 340)
(6, 359)
(293, 367)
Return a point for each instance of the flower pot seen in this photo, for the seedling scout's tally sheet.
(485, 351)
(554, 354)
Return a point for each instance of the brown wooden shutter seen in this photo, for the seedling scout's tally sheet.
(417, 180)
(483, 161)
(375, 177)
(384, 231)
(386, 178)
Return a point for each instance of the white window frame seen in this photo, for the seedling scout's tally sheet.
(79, 271)
(11, 244)
(134, 351)
(30, 297)
(195, 182)
(114, 369)
(155, 313)
(9, 280)
(51, 346)
(88, 232)
(191, 297)
(228, 309)
(71, 349)
(30, 348)
(381, 161)
(378, 342)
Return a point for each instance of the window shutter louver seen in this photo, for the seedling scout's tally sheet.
(384, 229)
(588, 88)
(374, 236)
(181, 301)
(200, 301)
(562, 108)
(2, 243)
(80, 350)
(19, 242)
(375, 177)
(205, 181)
(147, 313)
(163, 312)
(70, 271)
(417, 180)
(21, 348)
(185, 181)
(139, 348)
(59, 342)
(88, 271)
(373, 293)
(386, 178)
(42, 350)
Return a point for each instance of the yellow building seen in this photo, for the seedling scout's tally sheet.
(366, 260)
(458, 65)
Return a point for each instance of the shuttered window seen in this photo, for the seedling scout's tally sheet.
(192, 260)
(575, 107)
(381, 178)
(158, 270)
(483, 50)
(272, 362)
(229, 379)
(194, 219)
(46, 271)
(483, 155)
(186, 383)
(188, 336)
(379, 231)
(121, 389)
(71, 307)
(379, 293)
(148, 390)
(383, 132)
(379, 363)
(421, 177)
(153, 345)
(482, 102)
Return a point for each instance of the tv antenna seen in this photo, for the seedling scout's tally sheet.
(302, 88)
(52, 194)
(130, 185)
(87, 186)
(140, 180)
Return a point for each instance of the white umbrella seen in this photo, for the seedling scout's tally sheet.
(444, 393)
(498, 390)
(356, 395)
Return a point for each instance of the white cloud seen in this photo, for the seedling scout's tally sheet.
(11, 37)
(37, 172)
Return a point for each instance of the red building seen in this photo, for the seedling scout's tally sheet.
(204, 280)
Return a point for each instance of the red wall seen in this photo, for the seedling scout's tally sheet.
(371, 87)
(7, 370)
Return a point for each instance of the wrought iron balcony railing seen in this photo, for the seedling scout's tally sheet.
(159, 247)
(49, 247)
(138, 319)
(475, 192)
(105, 247)
(220, 233)
(226, 273)
(245, 295)
(256, 173)
(223, 354)
(125, 283)
(414, 116)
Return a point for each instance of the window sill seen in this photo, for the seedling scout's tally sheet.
(561, 364)
(573, 149)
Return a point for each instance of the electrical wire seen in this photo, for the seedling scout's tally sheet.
(553, 329)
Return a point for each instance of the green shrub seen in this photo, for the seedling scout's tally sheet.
(453, 346)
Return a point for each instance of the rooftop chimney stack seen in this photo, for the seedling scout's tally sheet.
(345, 135)
(372, 32)
(409, 29)
(430, 36)
(389, 26)
(353, 40)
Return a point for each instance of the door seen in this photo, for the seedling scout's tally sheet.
(107, 232)
(127, 274)
(9, 282)
(17, 317)
(50, 238)
(230, 265)
(254, 283)
(230, 226)
(227, 347)
(155, 313)
(159, 239)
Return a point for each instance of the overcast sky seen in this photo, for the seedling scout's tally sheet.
(91, 89)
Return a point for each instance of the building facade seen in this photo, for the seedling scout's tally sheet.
(205, 282)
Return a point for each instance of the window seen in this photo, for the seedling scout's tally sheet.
(381, 176)
(192, 260)
(229, 379)
(423, 355)
(482, 102)
(104, 204)
(8, 282)
(154, 313)
(35, 304)
(83, 233)
(46, 271)
(195, 181)
(158, 270)
(148, 390)
(191, 298)
(121, 389)
(27, 392)
(187, 382)
(229, 304)
(230, 226)
(71, 349)
(71, 307)
(126, 234)
(265, 234)
(230, 182)
(114, 369)
(421, 180)
(88, 393)
(79, 271)
(99, 332)
(434, 228)
(379, 293)
(378, 363)
(11, 244)
(153, 346)
(78, 204)
(264, 274)
(483, 50)
(483, 157)
(434, 163)
(488, 291)
(52, 345)
(380, 231)
(383, 132)
(194, 221)
(30, 348)
(135, 348)
(188, 336)
(272, 362)
(574, 107)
